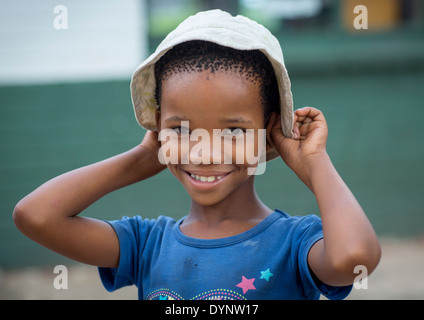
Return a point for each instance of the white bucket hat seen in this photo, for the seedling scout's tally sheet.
(223, 29)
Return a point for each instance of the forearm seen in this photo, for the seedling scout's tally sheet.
(69, 194)
(349, 238)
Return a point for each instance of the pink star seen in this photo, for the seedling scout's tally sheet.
(246, 284)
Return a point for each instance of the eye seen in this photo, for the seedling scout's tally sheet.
(234, 131)
(181, 130)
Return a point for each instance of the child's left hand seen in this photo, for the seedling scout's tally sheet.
(309, 141)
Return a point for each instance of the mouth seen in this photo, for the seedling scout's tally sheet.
(207, 178)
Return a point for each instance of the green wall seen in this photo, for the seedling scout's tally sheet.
(375, 141)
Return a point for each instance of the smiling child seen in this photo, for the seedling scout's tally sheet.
(214, 72)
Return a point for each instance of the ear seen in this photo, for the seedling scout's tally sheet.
(272, 119)
(157, 116)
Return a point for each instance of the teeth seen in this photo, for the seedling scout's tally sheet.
(204, 178)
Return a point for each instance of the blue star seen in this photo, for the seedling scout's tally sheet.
(266, 275)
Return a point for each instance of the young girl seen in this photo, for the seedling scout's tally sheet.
(213, 72)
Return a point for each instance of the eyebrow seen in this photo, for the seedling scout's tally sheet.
(236, 120)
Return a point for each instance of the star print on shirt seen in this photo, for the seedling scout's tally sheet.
(266, 274)
(246, 284)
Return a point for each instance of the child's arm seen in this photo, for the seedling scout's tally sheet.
(349, 239)
(48, 215)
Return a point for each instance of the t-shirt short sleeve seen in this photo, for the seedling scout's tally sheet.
(132, 235)
(307, 233)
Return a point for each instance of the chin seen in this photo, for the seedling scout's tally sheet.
(207, 200)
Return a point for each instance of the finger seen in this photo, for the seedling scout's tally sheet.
(309, 112)
(300, 114)
(301, 125)
(296, 128)
(303, 120)
(304, 129)
(309, 118)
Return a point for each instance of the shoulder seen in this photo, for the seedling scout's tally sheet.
(138, 228)
(300, 230)
(138, 222)
(300, 223)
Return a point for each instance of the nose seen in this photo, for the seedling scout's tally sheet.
(207, 148)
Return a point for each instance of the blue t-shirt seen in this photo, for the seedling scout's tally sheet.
(267, 262)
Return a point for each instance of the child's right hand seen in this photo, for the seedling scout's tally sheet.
(151, 144)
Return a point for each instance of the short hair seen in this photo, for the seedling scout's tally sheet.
(198, 55)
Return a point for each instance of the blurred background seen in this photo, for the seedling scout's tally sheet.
(65, 103)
